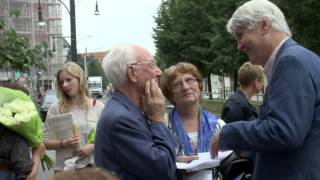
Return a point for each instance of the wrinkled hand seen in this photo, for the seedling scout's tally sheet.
(214, 148)
(73, 142)
(187, 159)
(153, 102)
(84, 151)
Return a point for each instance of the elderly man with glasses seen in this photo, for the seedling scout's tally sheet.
(131, 138)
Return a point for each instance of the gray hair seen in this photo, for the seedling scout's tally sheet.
(115, 63)
(254, 11)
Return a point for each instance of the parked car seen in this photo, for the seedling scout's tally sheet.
(49, 98)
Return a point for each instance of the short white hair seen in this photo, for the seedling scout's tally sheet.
(254, 11)
(115, 63)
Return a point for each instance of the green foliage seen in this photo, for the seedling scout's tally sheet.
(194, 31)
(17, 53)
(215, 106)
(78, 57)
(2, 24)
(302, 17)
(15, 13)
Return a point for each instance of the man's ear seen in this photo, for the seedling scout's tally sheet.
(131, 74)
(265, 26)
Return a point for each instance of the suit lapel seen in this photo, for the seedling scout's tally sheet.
(264, 107)
(290, 42)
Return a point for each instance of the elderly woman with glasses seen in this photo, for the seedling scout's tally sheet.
(192, 125)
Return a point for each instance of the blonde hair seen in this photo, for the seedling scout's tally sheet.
(248, 73)
(64, 99)
(172, 72)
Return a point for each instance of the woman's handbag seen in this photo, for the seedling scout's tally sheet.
(235, 165)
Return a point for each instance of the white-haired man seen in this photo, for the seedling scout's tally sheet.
(286, 135)
(132, 139)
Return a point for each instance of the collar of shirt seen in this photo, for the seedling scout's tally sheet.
(268, 66)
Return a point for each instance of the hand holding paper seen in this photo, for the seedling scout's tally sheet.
(215, 145)
(72, 142)
(204, 161)
(187, 159)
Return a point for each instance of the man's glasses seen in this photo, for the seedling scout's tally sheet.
(179, 83)
(152, 64)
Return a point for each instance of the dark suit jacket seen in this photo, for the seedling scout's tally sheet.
(127, 144)
(286, 136)
(237, 108)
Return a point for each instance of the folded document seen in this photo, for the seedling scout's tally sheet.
(204, 161)
(61, 126)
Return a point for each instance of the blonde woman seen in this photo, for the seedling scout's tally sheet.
(73, 98)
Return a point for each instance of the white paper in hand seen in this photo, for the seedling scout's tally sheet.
(60, 126)
(204, 161)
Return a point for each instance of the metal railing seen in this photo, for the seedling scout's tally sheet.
(225, 93)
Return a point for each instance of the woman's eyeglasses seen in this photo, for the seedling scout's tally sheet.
(179, 83)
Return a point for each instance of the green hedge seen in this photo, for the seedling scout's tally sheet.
(216, 106)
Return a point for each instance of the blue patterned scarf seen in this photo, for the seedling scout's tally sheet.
(207, 126)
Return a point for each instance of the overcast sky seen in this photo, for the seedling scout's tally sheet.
(120, 21)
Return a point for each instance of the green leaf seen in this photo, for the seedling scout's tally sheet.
(47, 163)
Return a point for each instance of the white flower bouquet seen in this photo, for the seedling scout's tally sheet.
(19, 114)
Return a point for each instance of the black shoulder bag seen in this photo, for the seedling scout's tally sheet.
(233, 165)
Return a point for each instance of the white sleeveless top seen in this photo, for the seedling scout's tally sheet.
(84, 126)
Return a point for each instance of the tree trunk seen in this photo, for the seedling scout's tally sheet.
(209, 86)
(223, 89)
(235, 80)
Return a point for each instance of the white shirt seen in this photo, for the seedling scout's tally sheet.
(268, 66)
(84, 123)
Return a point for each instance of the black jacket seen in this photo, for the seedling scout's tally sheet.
(237, 108)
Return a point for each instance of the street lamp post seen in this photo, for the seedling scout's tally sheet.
(41, 22)
(85, 65)
(96, 11)
(73, 31)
